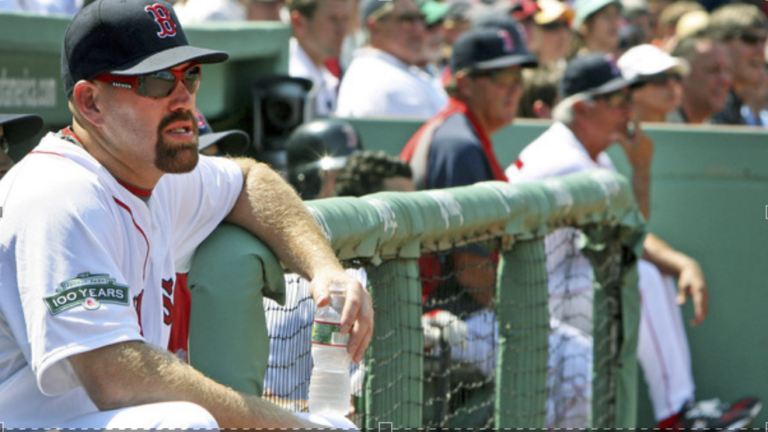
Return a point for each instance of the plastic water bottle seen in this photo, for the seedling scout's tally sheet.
(330, 386)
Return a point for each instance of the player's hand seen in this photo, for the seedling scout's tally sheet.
(691, 283)
(357, 316)
(454, 330)
(637, 146)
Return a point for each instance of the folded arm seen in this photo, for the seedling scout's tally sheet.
(134, 373)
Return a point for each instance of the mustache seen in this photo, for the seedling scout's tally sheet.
(177, 116)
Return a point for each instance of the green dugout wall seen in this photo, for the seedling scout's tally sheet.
(709, 199)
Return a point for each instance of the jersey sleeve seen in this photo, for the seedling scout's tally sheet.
(71, 296)
(200, 200)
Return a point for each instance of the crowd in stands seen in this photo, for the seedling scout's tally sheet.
(371, 58)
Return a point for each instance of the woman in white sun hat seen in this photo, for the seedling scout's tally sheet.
(662, 74)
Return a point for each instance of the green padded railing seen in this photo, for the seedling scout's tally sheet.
(388, 232)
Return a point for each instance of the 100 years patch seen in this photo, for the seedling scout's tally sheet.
(88, 290)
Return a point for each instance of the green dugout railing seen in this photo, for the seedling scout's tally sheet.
(388, 232)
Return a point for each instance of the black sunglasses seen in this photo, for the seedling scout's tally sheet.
(616, 99)
(410, 18)
(752, 39)
(554, 25)
(663, 78)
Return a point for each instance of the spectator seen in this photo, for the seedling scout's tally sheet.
(550, 33)
(597, 24)
(319, 27)
(105, 248)
(383, 79)
(368, 172)
(540, 92)
(15, 129)
(662, 74)
(668, 20)
(198, 11)
(706, 87)
(522, 12)
(432, 59)
(266, 10)
(594, 113)
(456, 21)
(640, 18)
(742, 28)
(655, 8)
(694, 23)
(42, 7)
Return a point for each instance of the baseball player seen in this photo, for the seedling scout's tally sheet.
(594, 114)
(98, 216)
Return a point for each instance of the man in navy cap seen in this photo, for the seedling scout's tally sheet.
(98, 217)
(596, 112)
(454, 148)
(15, 129)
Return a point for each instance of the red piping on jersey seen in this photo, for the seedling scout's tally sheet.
(48, 153)
(146, 258)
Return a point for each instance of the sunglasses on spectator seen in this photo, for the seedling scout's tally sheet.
(554, 25)
(503, 77)
(663, 78)
(157, 85)
(617, 99)
(752, 38)
(409, 18)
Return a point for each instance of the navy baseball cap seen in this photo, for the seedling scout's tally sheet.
(126, 38)
(233, 142)
(18, 128)
(490, 48)
(595, 74)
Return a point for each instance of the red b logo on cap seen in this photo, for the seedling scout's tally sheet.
(163, 19)
(506, 39)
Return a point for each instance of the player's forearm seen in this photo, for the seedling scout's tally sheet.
(134, 373)
(668, 260)
(270, 208)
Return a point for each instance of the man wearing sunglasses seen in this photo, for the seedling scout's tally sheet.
(15, 129)
(97, 218)
(742, 29)
(596, 112)
(383, 79)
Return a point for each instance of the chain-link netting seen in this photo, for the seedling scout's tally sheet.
(545, 329)
(459, 325)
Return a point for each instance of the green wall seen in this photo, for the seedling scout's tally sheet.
(709, 199)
